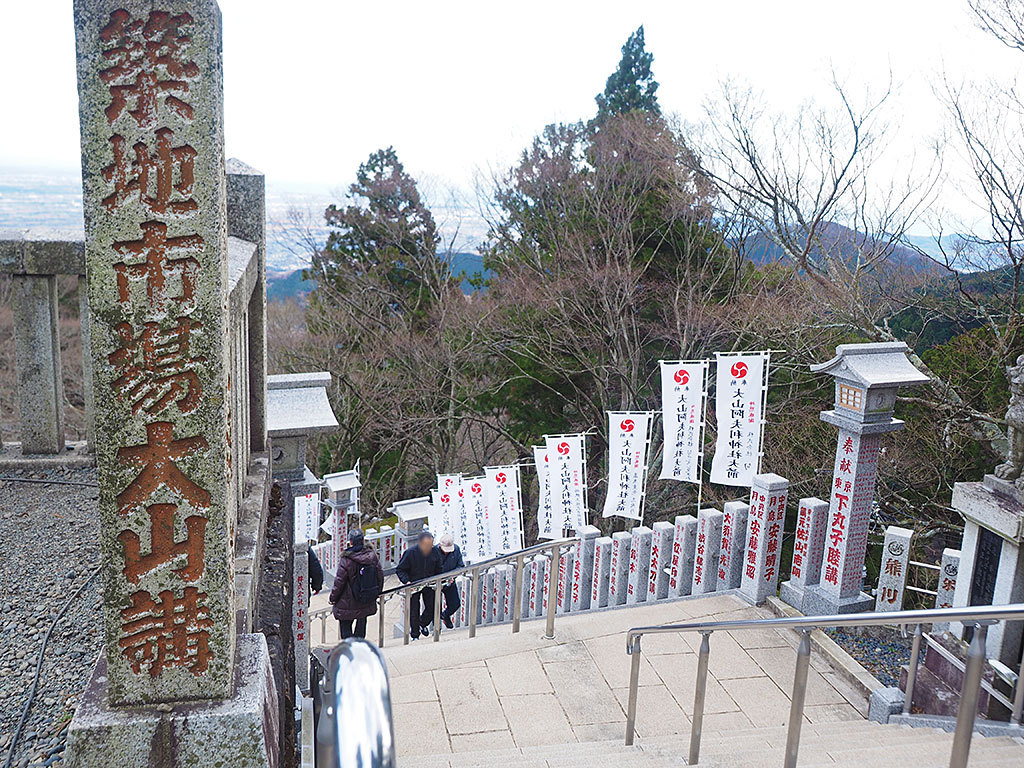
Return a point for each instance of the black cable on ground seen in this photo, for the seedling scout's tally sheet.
(39, 668)
(48, 482)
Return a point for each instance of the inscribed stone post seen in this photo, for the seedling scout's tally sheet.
(684, 547)
(764, 537)
(487, 597)
(808, 550)
(599, 582)
(498, 594)
(300, 611)
(618, 568)
(639, 565)
(460, 618)
(661, 554)
(525, 595)
(705, 561)
(583, 567)
(151, 110)
(892, 576)
(733, 549)
(538, 597)
(949, 567)
(510, 589)
(564, 588)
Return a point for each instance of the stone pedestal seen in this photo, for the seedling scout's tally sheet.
(639, 565)
(992, 560)
(618, 568)
(241, 731)
(808, 550)
(684, 548)
(705, 561)
(661, 554)
(733, 547)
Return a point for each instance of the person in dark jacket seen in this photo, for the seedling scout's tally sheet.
(420, 562)
(316, 571)
(451, 560)
(350, 613)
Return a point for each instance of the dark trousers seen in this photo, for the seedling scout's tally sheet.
(452, 601)
(347, 629)
(418, 618)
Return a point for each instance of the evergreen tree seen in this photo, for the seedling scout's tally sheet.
(631, 87)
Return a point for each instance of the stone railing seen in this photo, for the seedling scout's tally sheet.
(35, 258)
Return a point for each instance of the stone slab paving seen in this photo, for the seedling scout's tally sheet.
(501, 690)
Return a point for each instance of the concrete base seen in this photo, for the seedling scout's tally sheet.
(75, 456)
(241, 732)
(884, 703)
(792, 594)
(817, 603)
(991, 728)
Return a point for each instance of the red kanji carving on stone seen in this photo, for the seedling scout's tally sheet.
(167, 632)
(160, 257)
(163, 548)
(156, 460)
(149, 65)
(157, 367)
(153, 176)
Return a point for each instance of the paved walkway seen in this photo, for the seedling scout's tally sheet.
(502, 690)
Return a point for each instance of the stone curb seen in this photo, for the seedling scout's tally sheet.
(75, 457)
(845, 665)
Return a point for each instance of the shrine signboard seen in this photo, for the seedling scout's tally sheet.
(151, 109)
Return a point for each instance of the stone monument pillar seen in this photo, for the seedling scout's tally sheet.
(583, 567)
(684, 548)
(867, 377)
(768, 495)
(808, 551)
(602, 562)
(734, 541)
(661, 553)
(618, 568)
(892, 577)
(639, 565)
(153, 174)
(705, 561)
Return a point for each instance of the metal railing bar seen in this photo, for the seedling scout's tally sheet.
(796, 705)
(965, 614)
(915, 655)
(967, 710)
(929, 566)
(912, 588)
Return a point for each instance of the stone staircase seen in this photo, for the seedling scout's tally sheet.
(856, 744)
(519, 700)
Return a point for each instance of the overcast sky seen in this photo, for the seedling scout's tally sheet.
(459, 88)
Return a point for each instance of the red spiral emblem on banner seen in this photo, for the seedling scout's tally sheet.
(501, 477)
(447, 482)
(445, 498)
(681, 376)
(563, 449)
(739, 370)
(476, 488)
(461, 493)
(627, 425)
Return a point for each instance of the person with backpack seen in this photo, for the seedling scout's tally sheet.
(420, 562)
(357, 586)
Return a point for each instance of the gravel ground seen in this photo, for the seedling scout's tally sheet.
(881, 653)
(49, 546)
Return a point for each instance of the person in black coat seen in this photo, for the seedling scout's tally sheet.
(316, 571)
(420, 562)
(348, 610)
(451, 560)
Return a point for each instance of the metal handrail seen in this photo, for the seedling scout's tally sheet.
(980, 616)
(355, 728)
(555, 546)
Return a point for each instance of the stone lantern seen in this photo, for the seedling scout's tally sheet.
(867, 379)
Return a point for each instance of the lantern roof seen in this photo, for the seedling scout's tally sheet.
(881, 364)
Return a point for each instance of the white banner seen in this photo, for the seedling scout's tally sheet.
(307, 517)
(739, 409)
(627, 463)
(545, 510)
(504, 505)
(567, 460)
(479, 545)
(683, 395)
(449, 504)
(436, 522)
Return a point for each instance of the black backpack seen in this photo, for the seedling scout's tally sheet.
(365, 587)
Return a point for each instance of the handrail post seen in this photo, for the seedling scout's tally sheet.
(323, 629)
(968, 708)
(406, 599)
(634, 682)
(437, 610)
(1018, 699)
(552, 590)
(474, 597)
(380, 621)
(915, 655)
(698, 697)
(517, 596)
(796, 706)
